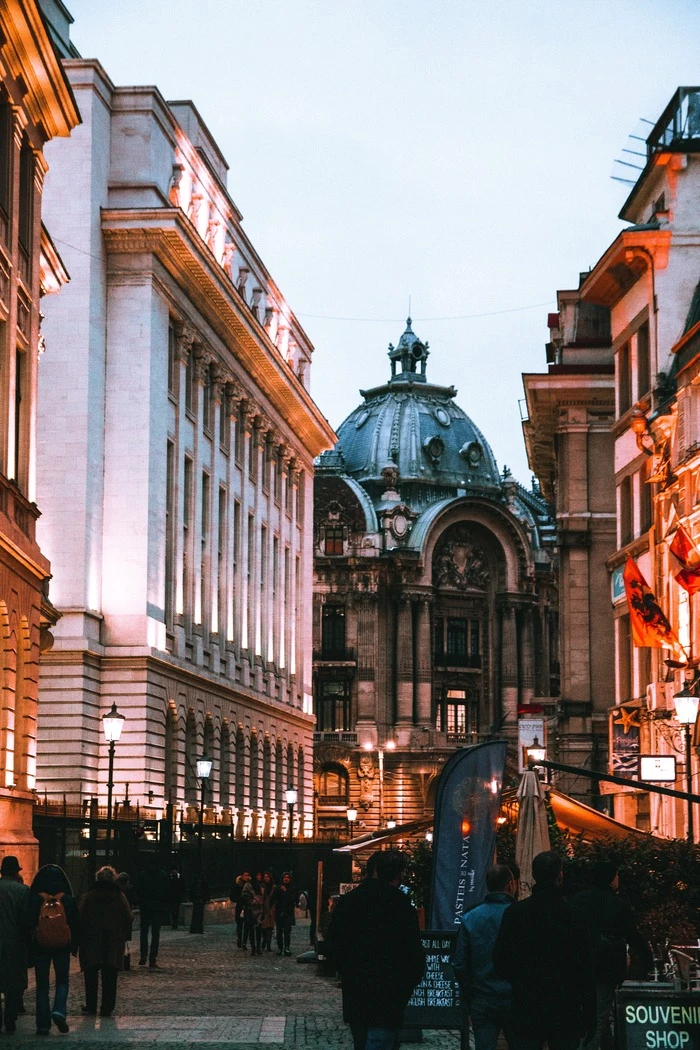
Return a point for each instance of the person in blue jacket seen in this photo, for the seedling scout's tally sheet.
(487, 996)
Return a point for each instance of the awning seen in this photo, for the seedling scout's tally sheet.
(580, 819)
(376, 838)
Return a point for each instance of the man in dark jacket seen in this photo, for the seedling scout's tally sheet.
(542, 948)
(153, 891)
(49, 882)
(13, 951)
(612, 930)
(486, 994)
(375, 943)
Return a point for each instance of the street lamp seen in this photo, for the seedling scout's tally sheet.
(112, 725)
(391, 824)
(351, 814)
(687, 712)
(535, 753)
(197, 922)
(291, 796)
(389, 745)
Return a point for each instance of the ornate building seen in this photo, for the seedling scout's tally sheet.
(181, 538)
(36, 105)
(434, 604)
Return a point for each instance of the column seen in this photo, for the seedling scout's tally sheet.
(184, 337)
(509, 665)
(404, 662)
(366, 657)
(526, 657)
(424, 671)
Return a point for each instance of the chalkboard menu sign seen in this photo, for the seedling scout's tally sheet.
(435, 1002)
(649, 1017)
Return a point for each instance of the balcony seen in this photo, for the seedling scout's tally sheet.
(457, 660)
(338, 736)
(339, 657)
(678, 128)
(17, 508)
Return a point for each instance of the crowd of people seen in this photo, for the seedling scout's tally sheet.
(263, 907)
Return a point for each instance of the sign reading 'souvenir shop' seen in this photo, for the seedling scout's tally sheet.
(653, 1018)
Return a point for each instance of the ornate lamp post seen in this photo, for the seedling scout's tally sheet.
(686, 713)
(535, 753)
(291, 796)
(351, 814)
(112, 725)
(388, 746)
(197, 923)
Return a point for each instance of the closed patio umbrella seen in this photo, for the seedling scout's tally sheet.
(533, 834)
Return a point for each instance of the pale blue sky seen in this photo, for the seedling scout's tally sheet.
(459, 152)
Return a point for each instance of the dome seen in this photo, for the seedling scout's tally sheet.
(414, 427)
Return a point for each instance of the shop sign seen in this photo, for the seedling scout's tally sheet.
(435, 1002)
(657, 1020)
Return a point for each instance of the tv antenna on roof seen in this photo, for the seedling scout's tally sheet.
(632, 150)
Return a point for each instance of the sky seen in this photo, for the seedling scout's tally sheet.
(455, 152)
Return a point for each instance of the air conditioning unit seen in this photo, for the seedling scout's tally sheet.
(660, 697)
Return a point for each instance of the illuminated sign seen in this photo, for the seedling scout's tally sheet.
(657, 768)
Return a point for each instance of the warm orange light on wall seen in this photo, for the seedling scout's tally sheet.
(466, 827)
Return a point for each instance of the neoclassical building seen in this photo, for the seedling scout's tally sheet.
(181, 532)
(36, 105)
(434, 604)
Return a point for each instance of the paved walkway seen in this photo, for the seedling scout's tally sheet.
(210, 993)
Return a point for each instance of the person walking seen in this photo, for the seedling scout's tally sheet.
(13, 949)
(153, 892)
(235, 896)
(54, 928)
(105, 924)
(612, 931)
(542, 949)
(486, 995)
(284, 899)
(375, 943)
(267, 921)
(252, 900)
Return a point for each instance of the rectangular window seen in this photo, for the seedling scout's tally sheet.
(626, 511)
(474, 640)
(333, 632)
(624, 663)
(333, 703)
(333, 539)
(254, 453)
(207, 401)
(275, 596)
(169, 534)
(300, 499)
(19, 417)
(643, 361)
(263, 590)
(289, 492)
(26, 199)
(277, 478)
(624, 379)
(222, 541)
(235, 627)
(645, 498)
(204, 562)
(239, 438)
(224, 425)
(186, 534)
(457, 638)
(189, 382)
(266, 462)
(172, 360)
(461, 715)
(250, 569)
(5, 157)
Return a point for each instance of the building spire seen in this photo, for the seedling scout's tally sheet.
(409, 358)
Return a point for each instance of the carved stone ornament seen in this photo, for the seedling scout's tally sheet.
(366, 773)
(458, 562)
(174, 189)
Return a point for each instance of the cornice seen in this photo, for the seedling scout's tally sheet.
(619, 269)
(169, 236)
(29, 54)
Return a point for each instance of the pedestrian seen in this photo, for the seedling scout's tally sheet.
(53, 924)
(105, 923)
(486, 995)
(267, 921)
(612, 931)
(13, 950)
(542, 949)
(375, 943)
(126, 886)
(153, 889)
(252, 899)
(176, 896)
(235, 895)
(284, 899)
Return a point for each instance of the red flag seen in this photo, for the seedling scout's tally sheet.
(650, 628)
(688, 555)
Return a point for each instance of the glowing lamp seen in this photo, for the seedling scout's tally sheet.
(204, 768)
(291, 796)
(351, 814)
(391, 823)
(536, 752)
(112, 725)
(367, 746)
(428, 836)
(466, 827)
(390, 745)
(686, 707)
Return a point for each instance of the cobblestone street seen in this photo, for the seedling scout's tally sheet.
(209, 992)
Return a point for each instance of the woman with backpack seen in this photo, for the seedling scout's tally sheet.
(54, 928)
(105, 923)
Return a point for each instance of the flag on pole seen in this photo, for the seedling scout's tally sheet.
(688, 555)
(650, 628)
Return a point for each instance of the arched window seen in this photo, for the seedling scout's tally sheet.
(254, 771)
(225, 765)
(208, 752)
(300, 780)
(280, 801)
(333, 785)
(191, 759)
(268, 783)
(240, 767)
(171, 753)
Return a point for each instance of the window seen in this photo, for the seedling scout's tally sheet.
(626, 511)
(333, 631)
(250, 568)
(457, 714)
(458, 642)
(5, 156)
(457, 638)
(221, 563)
(19, 415)
(333, 703)
(239, 439)
(624, 662)
(300, 499)
(207, 404)
(204, 564)
(274, 655)
(26, 199)
(643, 361)
(333, 536)
(277, 477)
(172, 359)
(254, 452)
(169, 537)
(267, 461)
(189, 382)
(224, 427)
(624, 379)
(186, 533)
(263, 591)
(289, 491)
(645, 499)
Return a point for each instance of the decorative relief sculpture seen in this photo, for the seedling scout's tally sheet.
(459, 562)
(174, 192)
(366, 774)
(195, 207)
(227, 256)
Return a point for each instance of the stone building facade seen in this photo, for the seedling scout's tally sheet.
(434, 603)
(36, 105)
(181, 537)
(569, 441)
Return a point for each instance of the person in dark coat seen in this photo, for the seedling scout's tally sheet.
(542, 948)
(176, 895)
(236, 891)
(284, 900)
(267, 921)
(153, 891)
(105, 926)
(375, 943)
(612, 930)
(13, 949)
(252, 899)
(52, 881)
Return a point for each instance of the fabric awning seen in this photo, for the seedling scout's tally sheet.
(377, 838)
(580, 819)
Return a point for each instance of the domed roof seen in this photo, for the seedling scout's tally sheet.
(415, 427)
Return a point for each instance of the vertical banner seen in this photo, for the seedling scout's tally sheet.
(467, 805)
